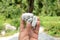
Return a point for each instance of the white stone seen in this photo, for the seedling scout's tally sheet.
(10, 27)
(13, 27)
(26, 16)
(29, 17)
(3, 32)
(41, 29)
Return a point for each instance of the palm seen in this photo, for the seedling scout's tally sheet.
(24, 35)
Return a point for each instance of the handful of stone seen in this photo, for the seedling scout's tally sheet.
(29, 17)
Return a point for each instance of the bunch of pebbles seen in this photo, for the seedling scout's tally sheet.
(29, 17)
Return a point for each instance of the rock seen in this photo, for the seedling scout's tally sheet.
(29, 17)
(41, 29)
(10, 27)
(3, 32)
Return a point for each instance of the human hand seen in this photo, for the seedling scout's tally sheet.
(24, 31)
(29, 33)
(33, 35)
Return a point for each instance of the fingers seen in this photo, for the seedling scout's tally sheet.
(28, 26)
(21, 25)
(38, 25)
(38, 19)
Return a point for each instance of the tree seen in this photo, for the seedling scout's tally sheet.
(31, 5)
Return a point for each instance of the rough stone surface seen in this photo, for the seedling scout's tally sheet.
(29, 17)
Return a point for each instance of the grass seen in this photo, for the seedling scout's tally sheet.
(51, 25)
(10, 33)
(48, 18)
(14, 22)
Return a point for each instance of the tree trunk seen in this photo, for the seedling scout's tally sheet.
(31, 6)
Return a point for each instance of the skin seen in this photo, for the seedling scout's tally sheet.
(29, 33)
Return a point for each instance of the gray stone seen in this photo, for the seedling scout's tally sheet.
(14, 38)
(44, 36)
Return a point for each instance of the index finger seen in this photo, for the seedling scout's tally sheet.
(37, 26)
(21, 25)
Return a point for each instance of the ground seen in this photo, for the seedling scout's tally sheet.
(42, 36)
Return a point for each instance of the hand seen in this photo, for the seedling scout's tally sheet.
(28, 33)
(24, 31)
(34, 32)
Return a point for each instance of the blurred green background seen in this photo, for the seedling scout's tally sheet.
(47, 10)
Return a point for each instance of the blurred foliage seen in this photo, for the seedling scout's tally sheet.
(15, 22)
(1, 23)
(11, 10)
(44, 7)
(51, 25)
(9, 33)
